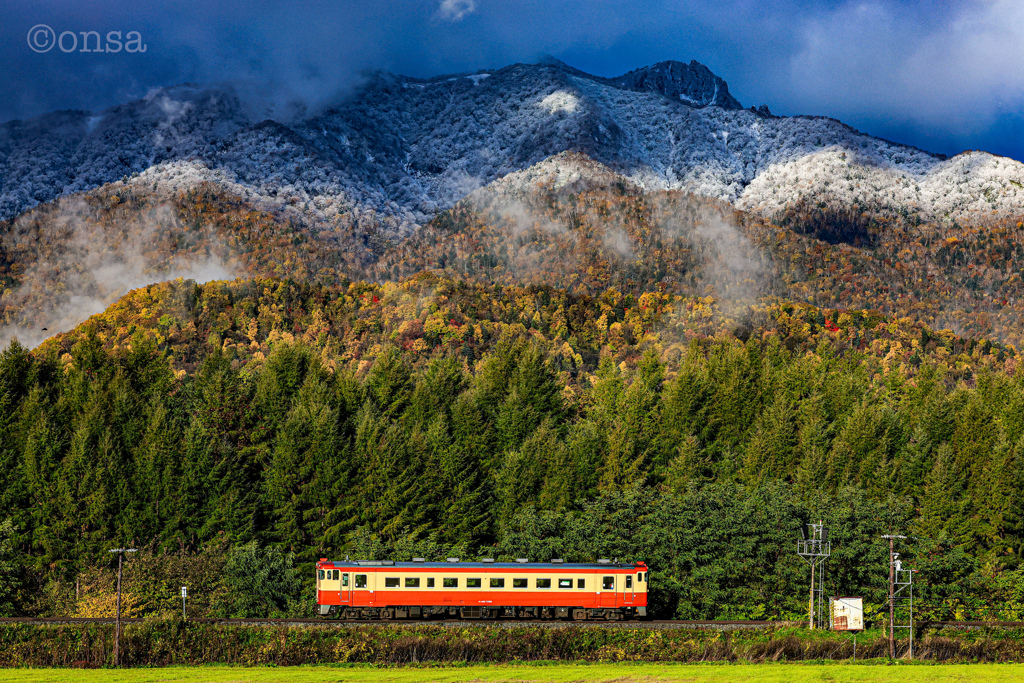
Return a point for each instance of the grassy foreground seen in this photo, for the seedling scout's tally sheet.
(546, 673)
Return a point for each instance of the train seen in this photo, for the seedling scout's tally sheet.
(384, 589)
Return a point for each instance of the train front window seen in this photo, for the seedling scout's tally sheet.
(581, 583)
(474, 583)
(497, 583)
(608, 583)
(565, 583)
(639, 577)
(335, 574)
(543, 583)
(519, 583)
(450, 583)
(360, 580)
(321, 574)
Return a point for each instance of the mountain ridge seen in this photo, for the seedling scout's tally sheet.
(398, 150)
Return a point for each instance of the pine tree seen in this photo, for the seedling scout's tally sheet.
(158, 469)
(945, 509)
(770, 453)
(389, 384)
(305, 464)
(813, 441)
(463, 512)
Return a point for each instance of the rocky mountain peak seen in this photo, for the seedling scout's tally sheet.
(692, 84)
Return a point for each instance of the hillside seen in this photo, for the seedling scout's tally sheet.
(68, 259)
(571, 223)
(568, 222)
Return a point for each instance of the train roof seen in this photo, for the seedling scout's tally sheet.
(480, 565)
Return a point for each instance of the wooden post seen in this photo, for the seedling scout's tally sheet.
(117, 620)
(892, 602)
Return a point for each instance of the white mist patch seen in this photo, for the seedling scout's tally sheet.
(616, 239)
(105, 285)
(92, 267)
(560, 100)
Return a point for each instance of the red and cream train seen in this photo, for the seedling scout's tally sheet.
(481, 590)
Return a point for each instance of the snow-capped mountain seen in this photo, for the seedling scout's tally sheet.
(397, 150)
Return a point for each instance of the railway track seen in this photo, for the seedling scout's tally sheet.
(505, 623)
(455, 623)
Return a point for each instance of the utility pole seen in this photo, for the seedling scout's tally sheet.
(892, 603)
(892, 593)
(117, 628)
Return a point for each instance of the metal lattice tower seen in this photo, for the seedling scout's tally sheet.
(815, 550)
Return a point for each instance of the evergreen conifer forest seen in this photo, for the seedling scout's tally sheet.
(237, 431)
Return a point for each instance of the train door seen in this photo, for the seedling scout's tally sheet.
(607, 595)
(346, 589)
(629, 590)
(360, 582)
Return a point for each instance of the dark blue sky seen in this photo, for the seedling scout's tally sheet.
(943, 75)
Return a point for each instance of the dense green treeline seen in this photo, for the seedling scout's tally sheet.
(704, 467)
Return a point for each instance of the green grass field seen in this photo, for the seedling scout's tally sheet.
(541, 673)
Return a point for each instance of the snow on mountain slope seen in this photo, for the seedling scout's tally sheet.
(967, 186)
(564, 172)
(398, 150)
(68, 152)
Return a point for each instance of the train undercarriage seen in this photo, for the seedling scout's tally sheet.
(489, 613)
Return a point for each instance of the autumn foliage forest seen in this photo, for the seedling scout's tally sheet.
(574, 371)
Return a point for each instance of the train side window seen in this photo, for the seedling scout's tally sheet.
(321, 574)
(581, 583)
(344, 580)
(497, 583)
(629, 580)
(543, 583)
(410, 582)
(430, 582)
(519, 583)
(391, 582)
(360, 580)
(608, 583)
(450, 583)
(474, 583)
(565, 583)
